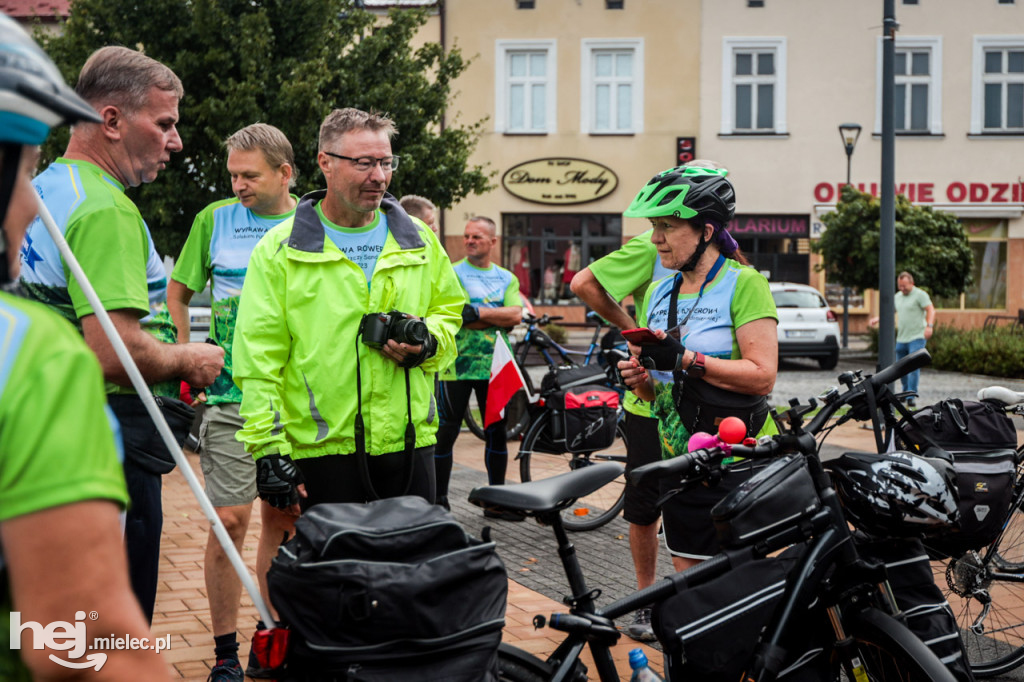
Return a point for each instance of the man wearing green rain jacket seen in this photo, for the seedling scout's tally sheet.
(309, 380)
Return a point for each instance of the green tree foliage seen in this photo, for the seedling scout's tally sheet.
(930, 245)
(287, 63)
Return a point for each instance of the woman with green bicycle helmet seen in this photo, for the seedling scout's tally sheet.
(61, 484)
(722, 357)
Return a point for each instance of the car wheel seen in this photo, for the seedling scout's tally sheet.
(829, 361)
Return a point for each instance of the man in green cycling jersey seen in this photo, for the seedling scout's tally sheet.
(137, 100)
(61, 485)
(261, 162)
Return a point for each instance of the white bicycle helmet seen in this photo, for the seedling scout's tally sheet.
(897, 494)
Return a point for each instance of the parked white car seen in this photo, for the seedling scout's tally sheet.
(200, 316)
(807, 327)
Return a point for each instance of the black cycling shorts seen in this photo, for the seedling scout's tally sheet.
(644, 446)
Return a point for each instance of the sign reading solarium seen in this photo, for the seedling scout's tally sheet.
(560, 181)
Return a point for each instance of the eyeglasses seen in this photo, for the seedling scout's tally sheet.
(365, 163)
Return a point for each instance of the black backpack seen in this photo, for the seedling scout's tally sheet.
(394, 589)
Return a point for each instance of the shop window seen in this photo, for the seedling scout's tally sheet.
(988, 292)
(544, 251)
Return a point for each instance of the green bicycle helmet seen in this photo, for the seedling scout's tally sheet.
(686, 192)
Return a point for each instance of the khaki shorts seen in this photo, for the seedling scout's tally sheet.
(229, 470)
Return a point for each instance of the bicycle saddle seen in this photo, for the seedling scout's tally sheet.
(1000, 394)
(547, 494)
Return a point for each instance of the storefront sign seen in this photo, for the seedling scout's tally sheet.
(956, 192)
(560, 181)
(769, 226)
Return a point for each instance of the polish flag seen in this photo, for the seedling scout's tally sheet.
(504, 382)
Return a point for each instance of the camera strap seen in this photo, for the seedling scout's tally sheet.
(363, 457)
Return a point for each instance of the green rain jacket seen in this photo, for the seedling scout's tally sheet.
(295, 343)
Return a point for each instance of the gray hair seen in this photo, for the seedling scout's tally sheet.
(123, 78)
(341, 121)
(276, 148)
(491, 227)
(415, 205)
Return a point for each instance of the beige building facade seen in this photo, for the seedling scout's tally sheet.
(778, 79)
(585, 101)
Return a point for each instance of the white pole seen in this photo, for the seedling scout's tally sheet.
(154, 412)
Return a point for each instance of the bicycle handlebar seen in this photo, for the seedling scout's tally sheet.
(684, 465)
(701, 462)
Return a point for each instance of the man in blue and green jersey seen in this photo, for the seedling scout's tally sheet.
(261, 164)
(494, 303)
(61, 485)
(137, 100)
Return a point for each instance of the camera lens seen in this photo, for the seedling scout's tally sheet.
(410, 331)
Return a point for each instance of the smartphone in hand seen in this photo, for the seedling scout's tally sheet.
(641, 336)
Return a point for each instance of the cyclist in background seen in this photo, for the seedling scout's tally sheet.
(722, 357)
(61, 484)
(494, 302)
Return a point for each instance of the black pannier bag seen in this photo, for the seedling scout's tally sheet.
(394, 589)
(985, 483)
(960, 426)
(982, 441)
(771, 500)
(588, 415)
(926, 612)
(569, 377)
(710, 630)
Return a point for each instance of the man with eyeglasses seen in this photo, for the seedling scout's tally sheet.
(336, 408)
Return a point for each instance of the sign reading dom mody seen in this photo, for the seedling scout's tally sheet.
(560, 181)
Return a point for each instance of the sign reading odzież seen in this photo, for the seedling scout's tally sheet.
(560, 181)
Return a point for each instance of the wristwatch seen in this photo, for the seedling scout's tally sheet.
(697, 368)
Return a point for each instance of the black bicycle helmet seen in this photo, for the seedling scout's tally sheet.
(897, 494)
(33, 99)
(686, 192)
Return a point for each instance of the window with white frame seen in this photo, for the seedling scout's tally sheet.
(917, 89)
(998, 102)
(525, 87)
(754, 86)
(612, 92)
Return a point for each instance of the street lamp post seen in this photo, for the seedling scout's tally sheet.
(849, 132)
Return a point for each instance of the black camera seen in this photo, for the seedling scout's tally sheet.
(377, 328)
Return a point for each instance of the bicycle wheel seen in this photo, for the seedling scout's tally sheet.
(890, 652)
(541, 457)
(985, 589)
(516, 416)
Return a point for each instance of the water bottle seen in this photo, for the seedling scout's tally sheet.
(641, 671)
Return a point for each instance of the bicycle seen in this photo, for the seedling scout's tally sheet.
(865, 640)
(985, 586)
(517, 416)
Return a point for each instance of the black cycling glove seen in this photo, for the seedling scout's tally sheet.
(277, 480)
(470, 314)
(665, 356)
